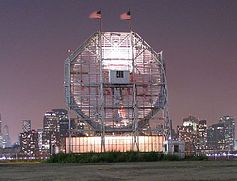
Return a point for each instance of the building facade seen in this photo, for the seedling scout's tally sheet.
(25, 125)
(29, 146)
(220, 136)
(202, 135)
(55, 128)
(6, 137)
(188, 133)
(229, 131)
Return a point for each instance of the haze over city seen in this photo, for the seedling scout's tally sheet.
(198, 39)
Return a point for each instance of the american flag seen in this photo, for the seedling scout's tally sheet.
(95, 15)
(126, 16)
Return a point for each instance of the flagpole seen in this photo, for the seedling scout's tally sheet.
(127, 16)
(130, 22)
(97, 15)
(100, 23)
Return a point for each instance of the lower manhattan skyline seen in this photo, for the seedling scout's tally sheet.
(198, 39)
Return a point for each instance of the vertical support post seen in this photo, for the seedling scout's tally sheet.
(167, 121)
(135, 111)
(67, 70)
(101, 103)
(69, 129)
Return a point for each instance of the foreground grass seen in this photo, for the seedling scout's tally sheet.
(111, 157)
(25, 161)
(139, 171)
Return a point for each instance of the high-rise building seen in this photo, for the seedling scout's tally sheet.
(202, 135)
(5, 140)
(220, 136)
(50, 122)
(189, 136)
(43, 149)
(188, 133)
(29, 144)
(55, 126)
(215, 137)
(229, 132)
(6, 137)
(25, 125)
(40, 138)
(50, 131)
(191, 121)
(63, 123)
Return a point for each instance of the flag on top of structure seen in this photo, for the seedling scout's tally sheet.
(126, 16)
(95, 15)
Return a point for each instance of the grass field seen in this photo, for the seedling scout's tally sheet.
(144, 171)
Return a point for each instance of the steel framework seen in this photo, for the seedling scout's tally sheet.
(117, 83)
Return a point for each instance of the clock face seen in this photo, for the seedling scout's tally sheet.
(115, 78)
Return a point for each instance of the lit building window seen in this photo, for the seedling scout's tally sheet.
(119, 74)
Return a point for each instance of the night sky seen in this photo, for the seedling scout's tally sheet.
(199, 40)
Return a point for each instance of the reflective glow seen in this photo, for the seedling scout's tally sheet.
(117, 58)
(115, 143)
(3, 158)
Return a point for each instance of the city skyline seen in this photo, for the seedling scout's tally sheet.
(198, 40)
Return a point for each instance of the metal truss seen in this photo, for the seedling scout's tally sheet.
(113, 107)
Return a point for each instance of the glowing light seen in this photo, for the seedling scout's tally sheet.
(122, 112)
(117, 58)
(114, 143)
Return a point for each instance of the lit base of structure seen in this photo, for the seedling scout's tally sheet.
(115, 143)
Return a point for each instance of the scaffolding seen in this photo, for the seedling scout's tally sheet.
(116, 83)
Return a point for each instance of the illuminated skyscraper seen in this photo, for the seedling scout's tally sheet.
(229, 131)
(221, 136)
(202, 135)
(215, 137)
(6, 137)
(40, 139)
(191, 121)
(55, 126)
(29, 143)
(26, 125)
(52, 119)
(188, 133)
(50, 130)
